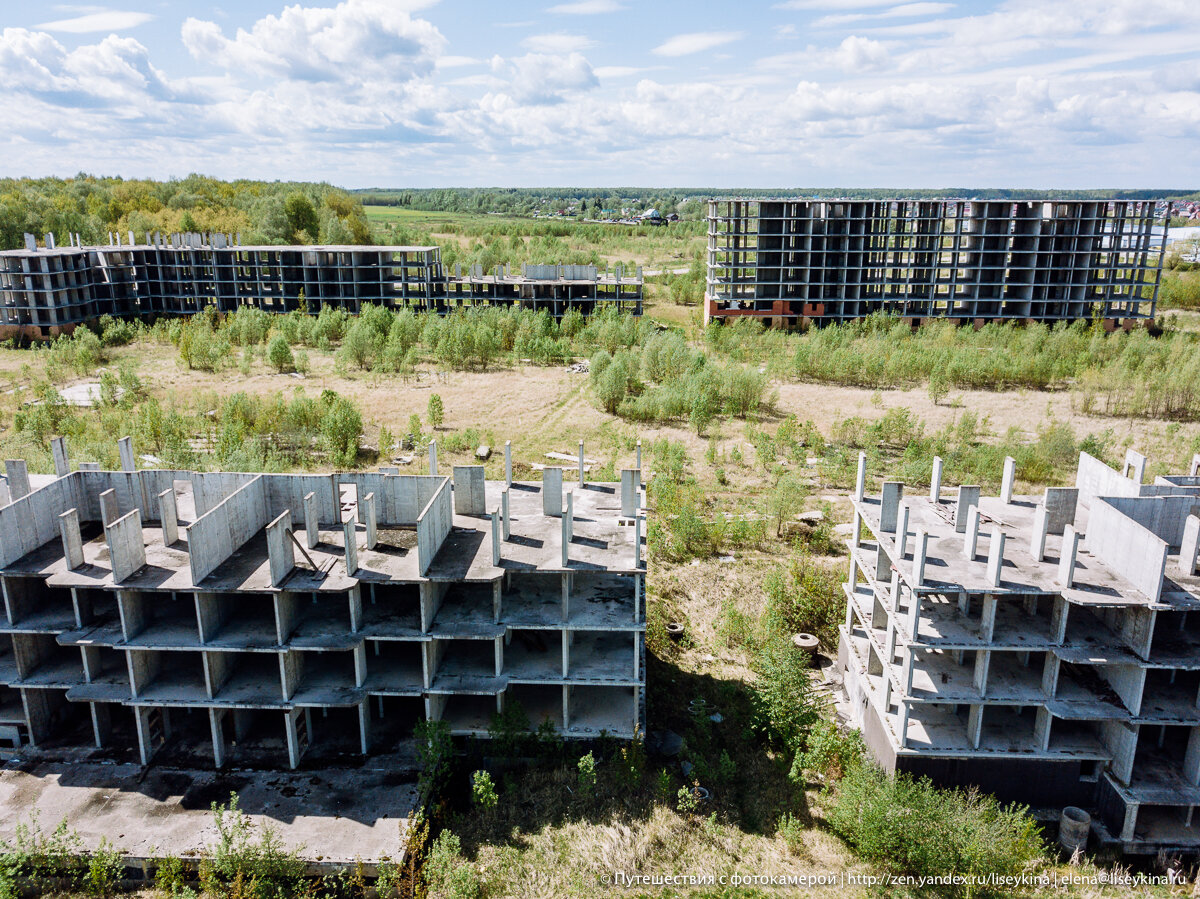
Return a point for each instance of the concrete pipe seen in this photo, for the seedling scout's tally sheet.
(807, 643)
(1074, 825)
(674, 630)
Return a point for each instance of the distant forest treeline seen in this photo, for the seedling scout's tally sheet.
(262, 212)
(684, 200)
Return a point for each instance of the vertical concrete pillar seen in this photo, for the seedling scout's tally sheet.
(58, 449)
(1058, 620)
(18, 478)
(1195, 467)
(101, 723)
(630, 492)
(366, 515)
(1041, 729)
(1060, 503)
(496, 526)
(935, 480)
(281, 552)
(149, 732)
(568, 528)
(507, 463)
(995, 564)
(581, 479)
(1037, 536)
(987, 620)
(889, 502)
(1191, 758)
(433, 457)
(1189, 545)
(638, 456)
(902, 517)
(504, 512)
(968, 496)
(125, 449)
(108, 507)
(5, 495)
(296, 741)
(552, 492)
(364, 725)
(971, 537)
(168, 516)
(637, 541)
(860, 480)
(216, 719)
(975, 725)
(1006, 483)
(311, 534)
(68, 528)
(350, 536)
(1066, 560)
(920, 547)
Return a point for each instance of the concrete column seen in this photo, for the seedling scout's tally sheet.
(568, 528)
(5, 495)
(168, 516)
(366, 515)
(1006, 484)
(433, 457)
(1041, 729)
(364, 725)
(149, 732)
(1058, 620)
(18, 478)
(995, 564)
(975, 725)
(296, 741)
(1191, 758)
(125, 448)
(1195, 467)
(935, 480)
(1189, 546)
(281, 552)
(108, 507)
(552, 492)
(914, 615)
(971, 538)
(630, 492)
(216, 718)
(1060, 503)
(638, 456)
(101, 723)
(350, 536)
(979, 676)
(504, 513)
(470, 491)
(902, 516)
(311, 535)
(507, 464)
(856, 529)
(58, 449)
(1050, 674)
(1037, 537)
(637, 542)
(581, 479)
(920, 548)
(126, 547)
(860, 480)
(496, 526)
(1066, 561)
(889, 501)
(968, 496)
(68, 528)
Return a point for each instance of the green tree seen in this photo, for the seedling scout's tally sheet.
(279, 354)
(304, 225)
(435, 412)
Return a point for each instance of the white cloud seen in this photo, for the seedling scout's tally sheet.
(903, 11)
(856, 54)
(540, 79)
(829, 4)
(557, 42)
(98, 19)
(587, 7)
(695, 42)
(349, 42)
(617, 71)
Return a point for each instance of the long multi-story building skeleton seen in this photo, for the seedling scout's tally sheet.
(795, 263)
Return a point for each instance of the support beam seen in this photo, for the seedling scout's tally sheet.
(125, 449)
(995, 564)
(311, 534)
(504, 513)
(168, 516)
(366, 515)
(568, 528)
(497, 525)
(1037, 536)
(889, 500)
(108, 507)
(281, 552)
(433, 457)
(935, 480)
(18, 478)
(68, 527)
(631, 488)
(1066, 561)
(860, 479)
(58, 449)
(507, 463)
(968, 496)
(552, 492)
(350, 535)
(582, 482)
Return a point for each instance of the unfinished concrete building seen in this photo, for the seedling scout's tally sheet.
(1046, 649)
(47, 290)
(251, 619)
(793, 262)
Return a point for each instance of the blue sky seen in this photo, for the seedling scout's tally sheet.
(926, 93)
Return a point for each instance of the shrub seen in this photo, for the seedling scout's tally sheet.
(483, 791)
(341, 427)
(106, 866)
(912, 826)
(434, 411)
(587, 774)
(447, 874)
(783, 704)
(279, 354)
(243, 852)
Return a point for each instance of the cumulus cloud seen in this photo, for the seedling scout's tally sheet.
(586, 7)
(541, 78)
(347, 42)
(695, 42)
(557, 42)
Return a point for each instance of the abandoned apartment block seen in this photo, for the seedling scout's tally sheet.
(237, 618)
(1046, 649)
(799, 263)
(46, 290)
